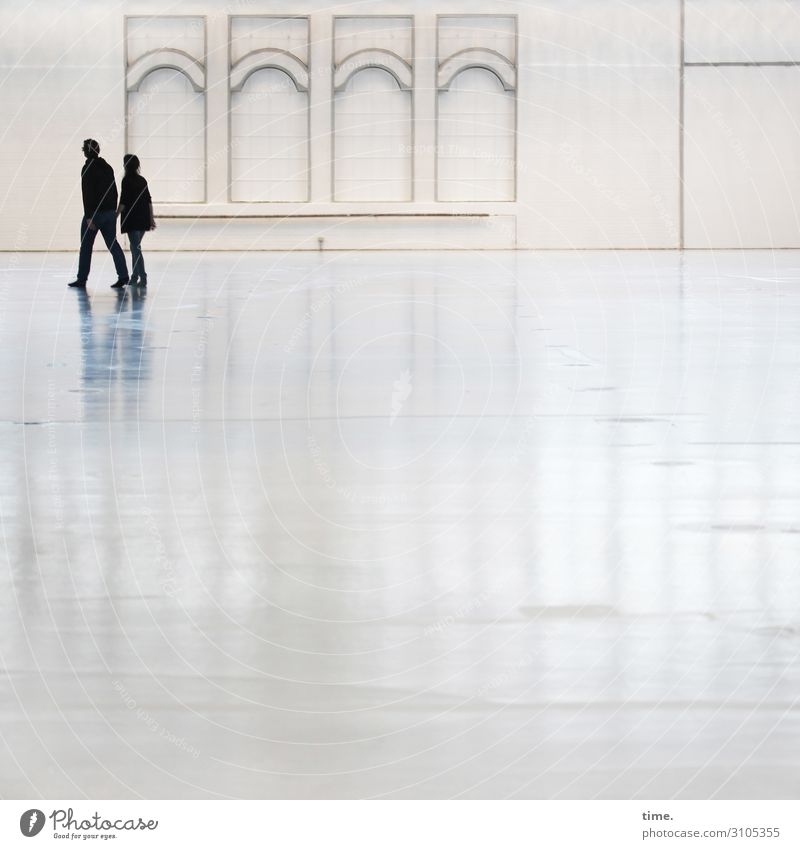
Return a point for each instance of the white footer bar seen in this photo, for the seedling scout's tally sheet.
(399, 825)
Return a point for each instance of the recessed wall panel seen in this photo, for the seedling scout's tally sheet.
(166, 119)
(269, 117)
(476, 108)
(373, 139)
(477, 145)
(373, 82)
(269, 139)
(165, 80)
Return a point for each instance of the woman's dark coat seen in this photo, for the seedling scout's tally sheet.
(136, 203)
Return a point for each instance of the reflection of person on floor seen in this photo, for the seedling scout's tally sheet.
(89, 366)
(113, 344)
(100, 213)
(136, 215)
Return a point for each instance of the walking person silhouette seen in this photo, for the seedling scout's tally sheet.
(100, 213)
(136, 215)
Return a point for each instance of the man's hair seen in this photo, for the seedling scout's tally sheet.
(91, 147)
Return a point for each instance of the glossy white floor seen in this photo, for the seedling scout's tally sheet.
(406, 525)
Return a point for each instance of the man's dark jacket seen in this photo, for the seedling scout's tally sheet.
(98, 187)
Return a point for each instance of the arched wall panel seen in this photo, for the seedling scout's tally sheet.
(372, 139)
(477, 139)
(269, 139)
(166, 130)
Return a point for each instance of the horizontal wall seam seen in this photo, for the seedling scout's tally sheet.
(786, 64)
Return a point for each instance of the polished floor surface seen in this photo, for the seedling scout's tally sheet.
(402, 525)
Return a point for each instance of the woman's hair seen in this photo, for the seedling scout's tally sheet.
(131, 163)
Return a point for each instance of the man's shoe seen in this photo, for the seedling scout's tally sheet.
(77, 284)
(134, 281)
(120, 284)
(143, 282)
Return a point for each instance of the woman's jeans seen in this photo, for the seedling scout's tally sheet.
(106, 224)
(137, 260)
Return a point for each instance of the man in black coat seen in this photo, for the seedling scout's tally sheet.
(100, 213)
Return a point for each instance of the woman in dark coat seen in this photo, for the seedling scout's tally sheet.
(136, 215)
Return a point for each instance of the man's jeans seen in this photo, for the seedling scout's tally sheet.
(137, 260)
(106, 223)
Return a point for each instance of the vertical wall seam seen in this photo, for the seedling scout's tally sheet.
(682, 128)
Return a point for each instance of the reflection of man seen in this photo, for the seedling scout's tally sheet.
(100, 213)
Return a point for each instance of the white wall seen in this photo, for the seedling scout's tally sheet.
(742, 124)
(597, 127)
(742, 157)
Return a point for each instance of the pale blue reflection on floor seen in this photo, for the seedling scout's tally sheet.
(406, 525)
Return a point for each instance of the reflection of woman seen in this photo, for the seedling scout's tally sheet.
(136, 215)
